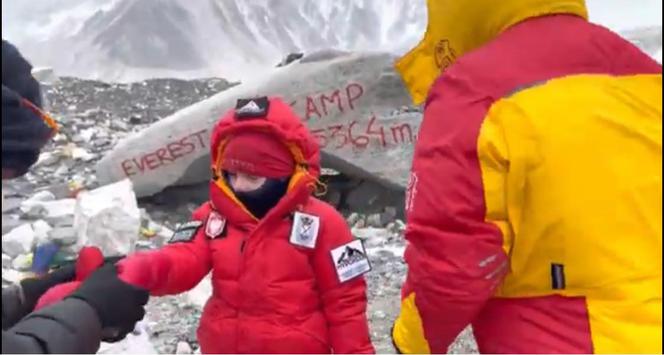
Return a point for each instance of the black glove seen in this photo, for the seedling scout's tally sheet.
(35, 287)
(118, 304)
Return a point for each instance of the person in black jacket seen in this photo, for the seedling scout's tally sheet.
(103, 307)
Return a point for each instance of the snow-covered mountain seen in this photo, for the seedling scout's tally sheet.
(132, 39)
(120, 40)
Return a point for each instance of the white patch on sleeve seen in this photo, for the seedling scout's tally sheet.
(216, 224)
(350, 260)
(305, 230)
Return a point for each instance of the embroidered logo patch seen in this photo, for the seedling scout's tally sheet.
(252, 108)
(305, 230)
(185, 232)
(350, 260)
(216, 224)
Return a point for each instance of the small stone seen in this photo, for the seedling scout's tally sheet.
(88, 133)
(183, 348)
(81, 154)
(60, 138)
(164, 234)
(63, 235)
(41, 230)
(18, 241)
(353, 218)
(62, 170)
(41, 196)
(48, 209)
(59, 190)
(328, 172)
(144, 245)
(10, 222)
(22, 262)
(10, 204)
(379, 315)
(388, 215)
(119, 125)
(48, 159)
(12, 276)
(361, 223)
(6, 261)
(392, 227)
(61, 221)
(101, 142)
(374, 220)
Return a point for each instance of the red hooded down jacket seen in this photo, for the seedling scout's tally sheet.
(269, 295)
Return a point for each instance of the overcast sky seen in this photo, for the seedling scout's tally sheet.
(625, 14)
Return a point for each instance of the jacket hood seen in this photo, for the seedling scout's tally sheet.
(456, 27)
(281, 122)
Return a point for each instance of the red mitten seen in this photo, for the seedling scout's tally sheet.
(89, 259)
(146, 270)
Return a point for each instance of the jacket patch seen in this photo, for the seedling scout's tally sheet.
(252, 108)
(185, 232)
(305, 230)
(350, 260)
(216, 225)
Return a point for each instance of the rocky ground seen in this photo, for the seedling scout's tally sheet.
(93, 117)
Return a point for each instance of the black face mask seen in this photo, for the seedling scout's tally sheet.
(260, 201)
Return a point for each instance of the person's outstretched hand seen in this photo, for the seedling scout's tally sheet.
(119, 305)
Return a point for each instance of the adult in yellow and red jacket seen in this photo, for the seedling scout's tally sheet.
(286, 275)
(534, 205)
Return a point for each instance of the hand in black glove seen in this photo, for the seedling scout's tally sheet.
(119, 305)
(33, 288)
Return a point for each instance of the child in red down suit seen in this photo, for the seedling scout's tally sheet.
(286, 271)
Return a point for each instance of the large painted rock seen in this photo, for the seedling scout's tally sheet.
(355, 103)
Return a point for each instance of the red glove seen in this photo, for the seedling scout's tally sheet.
(145, 270)
(89, 259)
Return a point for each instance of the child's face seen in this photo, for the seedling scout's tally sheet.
(242, 182)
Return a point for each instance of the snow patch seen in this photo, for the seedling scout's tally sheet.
(137, 342)
(199, 295)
